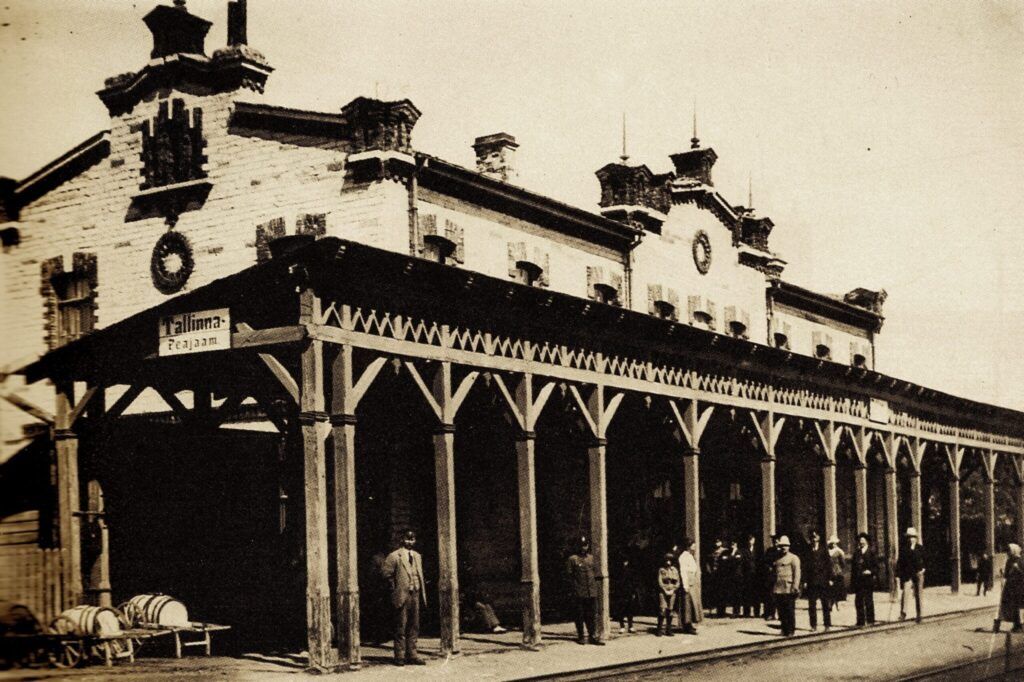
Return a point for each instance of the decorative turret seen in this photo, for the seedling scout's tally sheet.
(180, 59)
(695, 163)
(176, 31)
(496, 156)
(377, 125)
(634, 194)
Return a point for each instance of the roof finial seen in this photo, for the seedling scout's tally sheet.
(694, 141)
(750, 190)
(625, 154)
(180, 4)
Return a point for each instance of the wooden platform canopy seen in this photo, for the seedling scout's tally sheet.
(311, 329)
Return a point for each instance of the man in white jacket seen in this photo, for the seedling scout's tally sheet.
(690, 610)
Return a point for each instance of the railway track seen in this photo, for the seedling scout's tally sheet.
(978, 668)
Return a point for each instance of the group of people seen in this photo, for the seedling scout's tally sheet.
(750, 581)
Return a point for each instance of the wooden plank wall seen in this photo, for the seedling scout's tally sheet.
(30, 575)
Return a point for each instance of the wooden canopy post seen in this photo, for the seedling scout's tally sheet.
(68, 520)
(690, 422)
(989, 463)
(311, 406)
(597, 415)
(829, 434)
(1018, 476)
(525, 409)
(955, 455)
(445, 403)
(768, 429)
(346, 392)
(99, 571)
(917, 451)
(861, 438)
(890, 446)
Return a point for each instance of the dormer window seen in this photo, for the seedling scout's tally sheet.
(662, 302)
(440, 244)
(859, 354)
(738, 322)
(529, 268)
(70, 298)
(781, 334)
(822, 345)
(437, 248)
(603, 285)
(702, 312)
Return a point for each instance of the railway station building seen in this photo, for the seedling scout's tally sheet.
(246, 346)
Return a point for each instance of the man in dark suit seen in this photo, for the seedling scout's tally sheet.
(818, 576)
(910, 569)
(581, 572)
(750, 565)
(862, 580)
(403, 569)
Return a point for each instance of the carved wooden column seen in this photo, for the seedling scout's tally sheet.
(444, 400)
(860, 491)
(1018, 475)
(68, 505)
(916, 515)
(311, 405)
(597, 415)
(768, 429)
(599, 531)
(954, 533)
(691, 497)
(892, 528)
(828, 474)
(525, 409)
(989, 460)
(99, 571)
(448, 572)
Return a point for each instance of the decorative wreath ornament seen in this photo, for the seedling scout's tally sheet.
(702, 252)
(172, 262)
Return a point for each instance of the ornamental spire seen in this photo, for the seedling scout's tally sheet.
(625, 154)
(694, 141)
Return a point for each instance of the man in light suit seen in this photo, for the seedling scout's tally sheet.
(403, 569)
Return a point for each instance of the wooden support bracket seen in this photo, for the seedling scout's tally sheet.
(442, 400)
(691, 421)
(829, 435)
(523, 406)
(282, 375)
(597, 414)
(29, 408)
(768, 429)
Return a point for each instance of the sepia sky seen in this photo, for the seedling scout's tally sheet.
(885, 139)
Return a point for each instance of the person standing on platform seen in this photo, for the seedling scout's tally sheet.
(713, 579)
(862, 580)
(838, 557)
(403, 569)
(983, 574)
(787, 586)
(818, 574)
(690, 608)
(750, 577)
(668, 585)
(627, 592)
(1012, 598)
(768, 578)
(732, 578)
(910, 568)
(580, 570)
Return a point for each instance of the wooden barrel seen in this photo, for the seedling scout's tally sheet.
(101, 621)
(157, 609)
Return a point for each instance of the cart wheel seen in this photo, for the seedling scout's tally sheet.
(68, 655)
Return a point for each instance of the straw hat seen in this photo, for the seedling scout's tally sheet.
(833, 539)
(911, 532)
(783, 541)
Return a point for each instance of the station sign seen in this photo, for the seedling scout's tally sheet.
(195, 332)
(878, 411)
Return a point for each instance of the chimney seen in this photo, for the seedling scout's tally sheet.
(175, 30)
(237, 23)
(496, 156)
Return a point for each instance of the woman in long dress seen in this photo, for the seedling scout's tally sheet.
(1012, 598)
(838, 557)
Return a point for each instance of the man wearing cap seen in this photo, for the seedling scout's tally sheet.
(403, 569)
(580, 570)
(910, 569)
(787, 585)
(818, 574)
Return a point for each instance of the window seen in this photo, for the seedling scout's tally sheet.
(172, 146)
(781, 333)
(70, 299)
(822, 345)
(859, 361)
(737, 321)
(662, 302)
(527, 268)
(702, 312)
(436, 248)
(822, 352)
(603, 285)
(605, 293)
(664, 310)
(781, 340)
(526, 273)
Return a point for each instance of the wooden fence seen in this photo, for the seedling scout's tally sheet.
(30, 575)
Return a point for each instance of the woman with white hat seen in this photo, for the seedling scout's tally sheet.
(1012, 598)
(838, 557)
